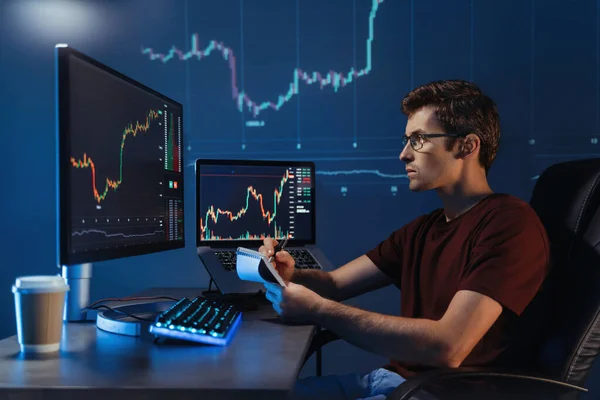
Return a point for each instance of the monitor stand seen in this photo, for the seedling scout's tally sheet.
(78, 277)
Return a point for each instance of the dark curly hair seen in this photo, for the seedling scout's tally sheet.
(462, 108)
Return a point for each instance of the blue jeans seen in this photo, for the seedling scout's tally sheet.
(375, 385)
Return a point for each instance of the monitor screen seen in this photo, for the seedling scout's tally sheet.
(247, 201)
(119, 164)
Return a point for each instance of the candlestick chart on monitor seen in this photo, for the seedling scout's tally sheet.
(126, 176)
(101, 187)
(250, 203)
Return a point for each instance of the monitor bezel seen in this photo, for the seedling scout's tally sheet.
(256, 163)
(64, 256)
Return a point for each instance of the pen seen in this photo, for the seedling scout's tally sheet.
(277, 248)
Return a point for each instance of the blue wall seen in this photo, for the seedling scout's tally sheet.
(539, 60)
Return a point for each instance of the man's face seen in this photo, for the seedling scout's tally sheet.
(432, 166)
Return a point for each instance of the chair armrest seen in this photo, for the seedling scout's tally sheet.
(451, 382)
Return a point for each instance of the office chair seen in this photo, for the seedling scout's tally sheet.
(566, 197)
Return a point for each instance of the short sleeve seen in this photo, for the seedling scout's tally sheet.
(510, 257)
(388, 255)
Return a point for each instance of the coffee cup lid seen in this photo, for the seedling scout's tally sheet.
(40, 284)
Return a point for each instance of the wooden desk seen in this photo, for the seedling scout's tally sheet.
(262, 361)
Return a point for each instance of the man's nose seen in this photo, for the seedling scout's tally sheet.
(406, 153)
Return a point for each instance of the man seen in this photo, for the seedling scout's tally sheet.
(466, 272)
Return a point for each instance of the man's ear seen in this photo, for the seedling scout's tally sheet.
(468, 145)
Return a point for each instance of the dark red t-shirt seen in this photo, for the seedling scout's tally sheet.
(498, 248)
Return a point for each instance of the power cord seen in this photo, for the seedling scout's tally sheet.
(95, 306)
(122, 312)
(130, 299)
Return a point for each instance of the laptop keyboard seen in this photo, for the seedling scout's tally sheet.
(304, 260)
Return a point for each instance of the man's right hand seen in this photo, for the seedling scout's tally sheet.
(283, 262)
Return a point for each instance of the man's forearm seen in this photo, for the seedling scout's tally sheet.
(318, 281)
(417, 341)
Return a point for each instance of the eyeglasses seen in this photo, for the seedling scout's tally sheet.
(417, 139)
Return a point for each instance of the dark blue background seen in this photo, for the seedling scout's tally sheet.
(540, 61)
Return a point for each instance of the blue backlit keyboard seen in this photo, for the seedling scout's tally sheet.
(199, 320)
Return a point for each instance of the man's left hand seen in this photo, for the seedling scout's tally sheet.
(293, 301)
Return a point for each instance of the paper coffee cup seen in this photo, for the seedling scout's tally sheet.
(39, 304)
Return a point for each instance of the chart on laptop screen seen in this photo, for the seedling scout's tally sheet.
(240, 202)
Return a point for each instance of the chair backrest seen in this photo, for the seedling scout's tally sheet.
(566, 197)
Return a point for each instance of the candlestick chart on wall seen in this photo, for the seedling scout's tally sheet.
(255, 114)
(242, 100)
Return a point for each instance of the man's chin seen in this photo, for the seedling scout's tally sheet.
(415, 186)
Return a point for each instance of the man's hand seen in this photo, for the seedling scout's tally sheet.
(283, 263)
(293, 301)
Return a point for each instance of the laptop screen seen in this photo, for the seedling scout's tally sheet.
(239, 203)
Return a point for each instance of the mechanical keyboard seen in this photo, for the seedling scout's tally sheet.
(200, 320)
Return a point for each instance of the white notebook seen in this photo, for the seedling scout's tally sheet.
(253, 266)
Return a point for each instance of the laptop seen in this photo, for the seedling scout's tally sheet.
(241, 202)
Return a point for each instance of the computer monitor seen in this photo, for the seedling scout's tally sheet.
(119, 170)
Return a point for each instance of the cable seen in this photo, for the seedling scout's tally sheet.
(94, 305)
(122, 312)
(91, 306)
